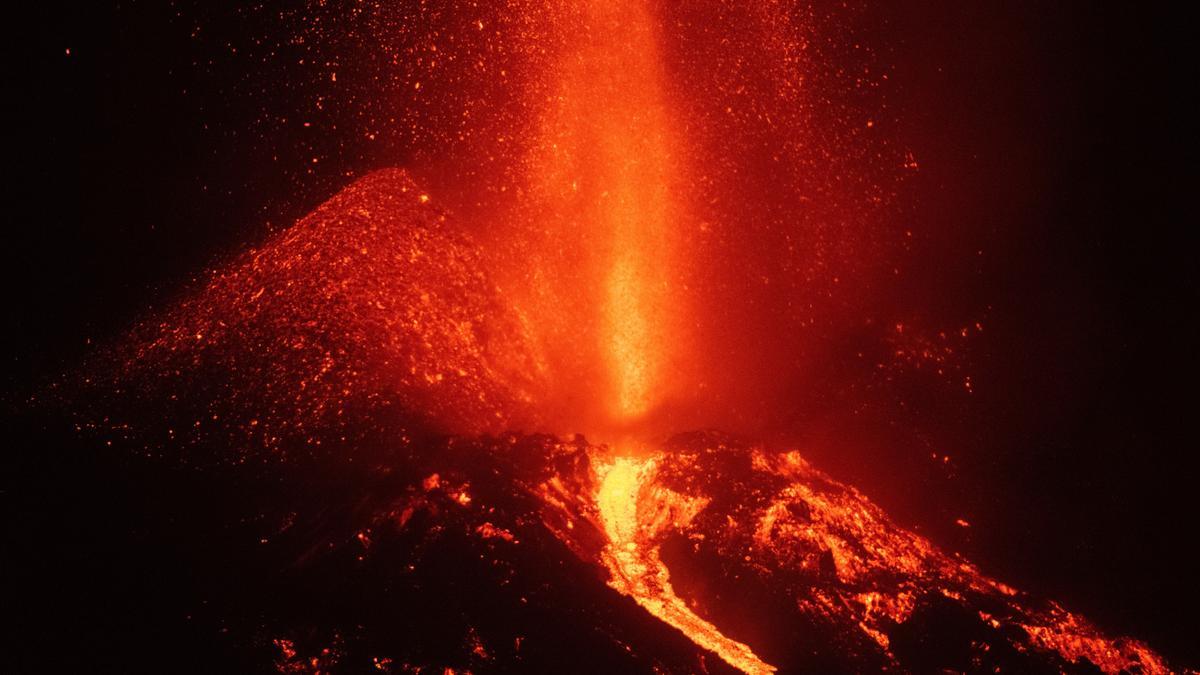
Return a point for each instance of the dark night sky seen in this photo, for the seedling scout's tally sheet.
(1071, 148)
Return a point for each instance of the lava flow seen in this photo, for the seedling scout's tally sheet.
(626, 486)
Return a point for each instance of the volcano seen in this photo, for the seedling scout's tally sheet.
(346, 388)
(614, 336)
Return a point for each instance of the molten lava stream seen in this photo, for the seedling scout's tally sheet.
(632, 556)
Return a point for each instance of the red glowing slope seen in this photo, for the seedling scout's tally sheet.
(373, 302)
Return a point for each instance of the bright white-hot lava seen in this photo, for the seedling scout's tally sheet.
(633, 510)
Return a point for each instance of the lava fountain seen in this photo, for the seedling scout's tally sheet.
(605, 165)
(603, 212)
(632, 171)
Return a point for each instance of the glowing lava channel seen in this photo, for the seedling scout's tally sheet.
(633, 559)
